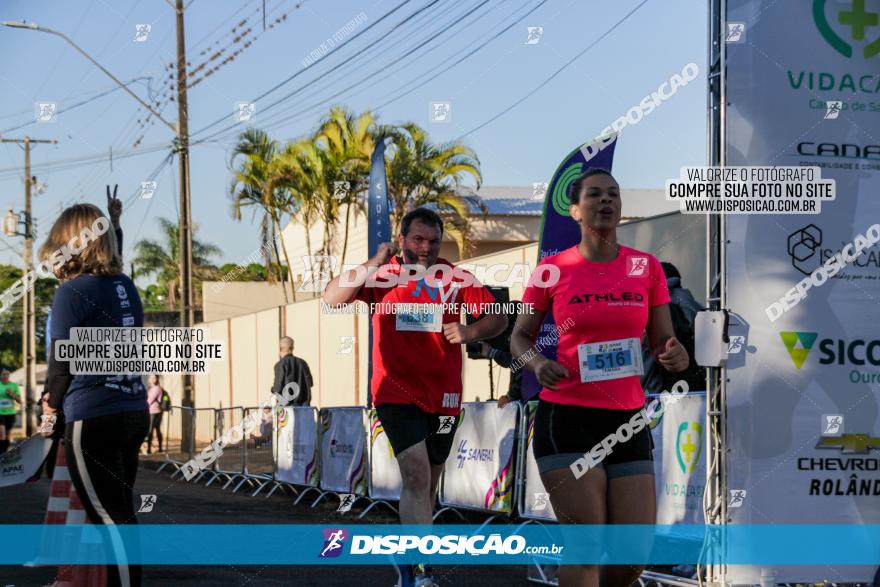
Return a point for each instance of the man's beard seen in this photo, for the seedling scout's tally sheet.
(411, 258)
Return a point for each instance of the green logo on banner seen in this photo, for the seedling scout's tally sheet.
(688, 445)
(798, 345)
(560, 196)
(856, 19)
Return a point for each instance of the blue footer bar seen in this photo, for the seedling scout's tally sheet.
(303, 544)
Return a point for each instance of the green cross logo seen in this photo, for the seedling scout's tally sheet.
(688, 444)
(857, 21)
(798, 345)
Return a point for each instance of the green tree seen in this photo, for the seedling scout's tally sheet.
(252, 272)
(153, 298)
(161, 258)
(11, 319)
(420, 172)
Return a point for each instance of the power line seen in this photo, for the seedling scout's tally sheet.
(298, 73)
(77, 105)
(359, 84)
(313, 89)
(555, 73)
(463, 58)
(73, 162)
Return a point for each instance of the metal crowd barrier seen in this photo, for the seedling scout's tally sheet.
(258, 468)
(204, 426)
(384, 495)
(300, 478)
(330, 480)
(229, 465)
(172, 422)
(479, 503)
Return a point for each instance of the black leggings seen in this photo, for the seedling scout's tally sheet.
(7, 421)
(155, 424)
(102, 458)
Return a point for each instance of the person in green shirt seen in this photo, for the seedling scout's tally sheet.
(9, 397)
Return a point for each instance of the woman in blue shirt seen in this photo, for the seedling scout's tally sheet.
(105, 415)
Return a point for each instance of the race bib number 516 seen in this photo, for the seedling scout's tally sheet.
(613, 359)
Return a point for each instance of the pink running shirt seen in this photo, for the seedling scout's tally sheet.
(598, 302)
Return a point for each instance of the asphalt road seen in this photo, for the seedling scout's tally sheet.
(187, 503)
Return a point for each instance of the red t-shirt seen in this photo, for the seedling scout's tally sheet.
(598, 303)
(413, 363)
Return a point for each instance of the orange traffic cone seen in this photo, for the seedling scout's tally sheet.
(64, 507)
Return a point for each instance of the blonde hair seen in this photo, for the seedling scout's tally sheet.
(81, 241)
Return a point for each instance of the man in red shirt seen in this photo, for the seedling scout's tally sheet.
(415, 304)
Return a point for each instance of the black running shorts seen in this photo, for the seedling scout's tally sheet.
(564, 433)
(407, 425)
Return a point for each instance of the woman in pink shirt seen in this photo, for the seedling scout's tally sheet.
(606, 297)
(154, 401)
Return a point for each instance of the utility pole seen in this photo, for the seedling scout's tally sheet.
(185, 228)
(29, 329)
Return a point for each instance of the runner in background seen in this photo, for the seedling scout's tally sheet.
(611, 294)
(106, 415)
(417, 360)
(155, 395)
(10, 399)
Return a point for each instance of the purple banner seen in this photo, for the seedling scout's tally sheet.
(560, 232)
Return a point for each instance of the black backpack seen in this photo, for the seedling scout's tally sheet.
(165, 402)
(694, 375)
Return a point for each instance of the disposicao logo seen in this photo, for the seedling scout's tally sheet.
(688, 445)
(798, 345)
(334, 540)
(855, 19)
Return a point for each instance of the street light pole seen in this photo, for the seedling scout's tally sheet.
(34, 27)
(29, 327)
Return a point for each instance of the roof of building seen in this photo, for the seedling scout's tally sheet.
(521, 201)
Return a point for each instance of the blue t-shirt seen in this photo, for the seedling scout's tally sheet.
(98, 301)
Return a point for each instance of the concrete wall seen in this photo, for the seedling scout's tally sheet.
(223, 300)
(341, 374)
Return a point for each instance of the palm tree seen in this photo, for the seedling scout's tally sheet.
(255, 155)
(162, 259)
(348, 141)
(420, 172)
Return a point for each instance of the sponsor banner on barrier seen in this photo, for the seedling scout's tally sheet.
(454, 544)
(21, 461)
(807, 287)
(680, 461)
(679, 467)
(536, 500)
(479, 472)
(343, 450)
(297, 442)
(385, 481)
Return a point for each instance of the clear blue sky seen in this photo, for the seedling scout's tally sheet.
(523, 146)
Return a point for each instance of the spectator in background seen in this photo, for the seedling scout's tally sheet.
(291, 369)
(155, 395)
(265, 435)
(114, 211)
(504, 359)
(10, 395)
(106, 416)
(683, 308)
